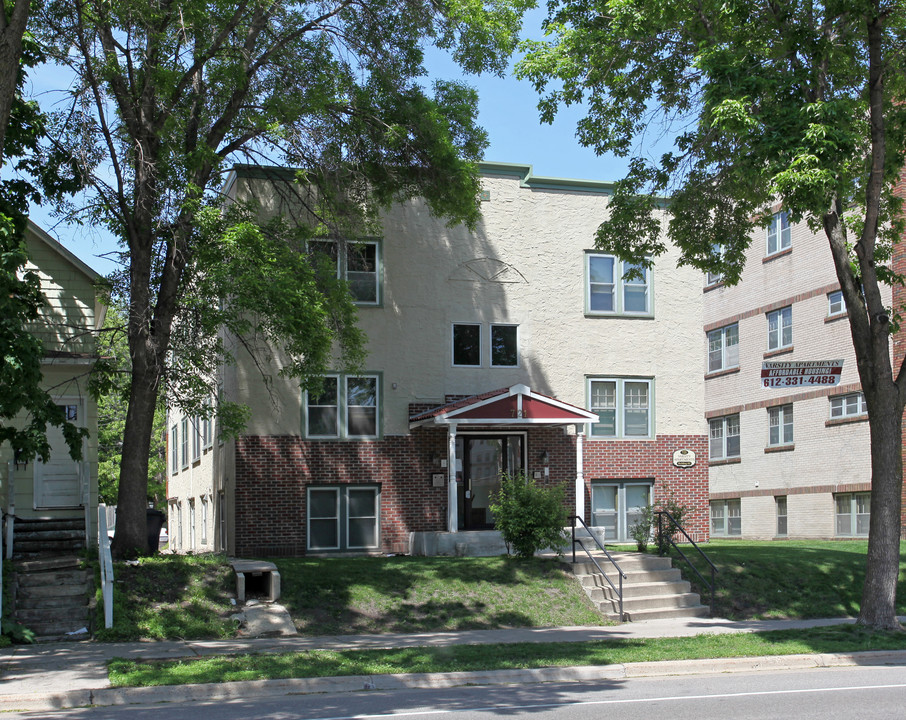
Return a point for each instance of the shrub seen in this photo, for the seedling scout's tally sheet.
(530, 517)
(641, 531)
(668, 528)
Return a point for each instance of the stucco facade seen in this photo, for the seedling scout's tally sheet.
(799, 450)
(523, 300)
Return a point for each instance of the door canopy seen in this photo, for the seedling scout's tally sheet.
(516, 405)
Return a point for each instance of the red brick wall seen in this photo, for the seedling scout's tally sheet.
(272, 474)
(653, 459)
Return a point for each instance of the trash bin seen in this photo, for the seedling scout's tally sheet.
(155, 523)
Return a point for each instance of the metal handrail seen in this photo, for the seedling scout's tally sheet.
(622, 575)
(660, 531)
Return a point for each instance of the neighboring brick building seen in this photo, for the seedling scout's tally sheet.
(488, 350)
(783, 463)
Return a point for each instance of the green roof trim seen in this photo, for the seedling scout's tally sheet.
(528, 179)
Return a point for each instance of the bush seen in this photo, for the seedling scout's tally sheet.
(668, 528)
(530, 517)
(641, 531)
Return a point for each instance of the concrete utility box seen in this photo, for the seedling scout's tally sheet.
(246, 569)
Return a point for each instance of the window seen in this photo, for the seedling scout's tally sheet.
(724, 437)
(207, 426)
(504, 346)
(780, 328)
(780, 504)
(174, 449)
(185, 442)
(723, 348)
(347, 406)
(780, 425)
(196, 439)
(191, 524)
(467, 345)
(221, 513)
(623, 407)
(726, 518)
(717, 251)
(836, 305)
(343, 518)
(204, 520)
(360, 267)
(851, 405)
(609, 292)
(853, 514)
(779, 233)
(179, 525)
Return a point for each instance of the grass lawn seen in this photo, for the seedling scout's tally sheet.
(788, 578)
(845, 638)
(418, 594)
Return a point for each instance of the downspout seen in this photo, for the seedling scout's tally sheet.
(580, 475)
(452, 488)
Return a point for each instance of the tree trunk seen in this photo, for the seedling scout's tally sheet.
(131, 517)
(878, 608)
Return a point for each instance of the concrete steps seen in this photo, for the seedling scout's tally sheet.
(652, 589)
(51, 593)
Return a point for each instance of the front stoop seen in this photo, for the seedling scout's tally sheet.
(51, 596)
(653, 588)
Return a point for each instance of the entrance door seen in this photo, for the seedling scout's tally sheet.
(618, 506)
(58, 481)
(483, 458)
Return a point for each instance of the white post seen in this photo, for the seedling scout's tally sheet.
(580, 476)
(452, 494)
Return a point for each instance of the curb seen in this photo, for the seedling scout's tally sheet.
(358, 683)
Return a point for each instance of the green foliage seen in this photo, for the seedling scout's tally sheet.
(667, 527)
(15, 633)
(641, 530)
(530, 517)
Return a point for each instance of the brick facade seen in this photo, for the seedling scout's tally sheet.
(273, 474)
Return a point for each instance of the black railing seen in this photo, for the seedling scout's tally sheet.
(621, 575)
(665, 539)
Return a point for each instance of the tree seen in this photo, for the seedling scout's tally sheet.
(26, 408)
(170, 94)
(113, 396)
(789, 99)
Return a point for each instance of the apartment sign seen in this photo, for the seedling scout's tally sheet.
(815, 373)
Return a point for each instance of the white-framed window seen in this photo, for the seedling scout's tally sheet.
(191, 524)
(723, 348)
(717, 250)
(851, 405)
(174, 449)
(179, 525)
(780, 505)
(348, 406)
(207, 425)
(504, 345)
(853, 514)
(360, 266)
(221, 517)
(726, 518)
(196, 439)
(466, 345)
(609, 292)
(779, 237)
(216, 416)
(343, 517)
(780, 425)
(623, 406)
(780, 328)
(204, 519)
(724, 437)
(185, 442)
(836, 305)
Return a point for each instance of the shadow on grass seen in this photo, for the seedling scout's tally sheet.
(787, 579)
(415, 594)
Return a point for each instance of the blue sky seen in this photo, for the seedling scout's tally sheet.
(507, 110)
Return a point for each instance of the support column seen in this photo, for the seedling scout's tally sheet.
(452, 494)
(580, 475)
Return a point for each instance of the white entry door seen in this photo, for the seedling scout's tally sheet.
(58, 482)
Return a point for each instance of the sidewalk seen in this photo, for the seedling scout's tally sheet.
(53, 676)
